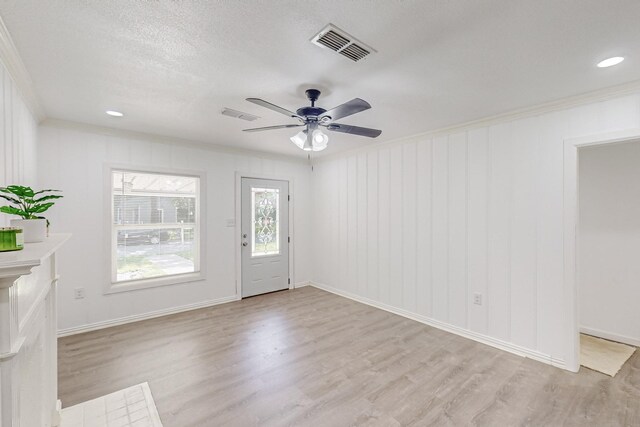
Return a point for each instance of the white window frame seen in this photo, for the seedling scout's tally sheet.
(113, 286)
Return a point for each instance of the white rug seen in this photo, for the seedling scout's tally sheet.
(602, 355)
(131, 407)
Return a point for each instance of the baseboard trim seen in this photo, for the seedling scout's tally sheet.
(145, 316)
(301, 284)
(610, 336)
(56, 416)
(484, 339)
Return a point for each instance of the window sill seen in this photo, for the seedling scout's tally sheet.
(154, 282)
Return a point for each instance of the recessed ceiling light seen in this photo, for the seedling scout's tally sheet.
(114, 113)
(610, 61)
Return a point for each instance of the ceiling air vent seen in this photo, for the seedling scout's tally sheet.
(331, 37)
(239, 114)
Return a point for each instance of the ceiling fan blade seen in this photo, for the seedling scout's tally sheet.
(271, 128)
(354, 106)
(354, 130)
(273, 107)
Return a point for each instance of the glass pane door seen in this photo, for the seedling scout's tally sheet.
(265, 236)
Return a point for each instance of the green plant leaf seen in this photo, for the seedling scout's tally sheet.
(49, 197)
(40, 208)
(10, 199)
(14, 211)
(44, 191)
(10, 190)
(20, 191)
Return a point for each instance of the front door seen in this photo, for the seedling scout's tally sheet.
(265, 236)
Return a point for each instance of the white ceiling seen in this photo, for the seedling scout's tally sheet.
(171, 66)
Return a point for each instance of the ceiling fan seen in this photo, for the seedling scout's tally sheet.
(312, 118)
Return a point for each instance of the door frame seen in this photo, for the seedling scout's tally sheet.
(238, 225)
(571, 235)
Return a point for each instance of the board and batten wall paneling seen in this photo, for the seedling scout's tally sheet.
(396, 287)
(523, 244)
(18, 133)
(73, 160)
(478, 156)
(384, 227)
(371, 218)
(458, 252)
(550, 220)
(424, 168)
(500, 216)
(440, 230)
(447, 216)
(362, 223)
(352, 223)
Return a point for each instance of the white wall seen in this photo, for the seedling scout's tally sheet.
(18, 132)
(72, 160)
(417, 226)
(609, 241)
(420, 225)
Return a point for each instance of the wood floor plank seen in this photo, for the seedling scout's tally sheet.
(310, 358)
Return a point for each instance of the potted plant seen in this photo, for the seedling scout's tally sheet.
(28, 204)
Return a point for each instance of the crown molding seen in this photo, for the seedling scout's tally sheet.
(13, 63)
(536, 110)
(161, 139)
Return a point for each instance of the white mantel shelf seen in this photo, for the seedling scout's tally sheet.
(18, 263)
(28, 335)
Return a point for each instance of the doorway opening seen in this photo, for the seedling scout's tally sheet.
(608, 244)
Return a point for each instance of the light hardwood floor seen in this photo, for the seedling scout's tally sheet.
(310, 358)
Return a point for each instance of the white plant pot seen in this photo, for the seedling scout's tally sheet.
(34, 230)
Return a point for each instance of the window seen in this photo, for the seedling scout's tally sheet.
(265, 236)
(155, 227)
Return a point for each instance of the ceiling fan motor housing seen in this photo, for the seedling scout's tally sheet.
(313, 111)
(310, 111)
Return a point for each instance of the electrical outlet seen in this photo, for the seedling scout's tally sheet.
(78, 293)
(477, 299)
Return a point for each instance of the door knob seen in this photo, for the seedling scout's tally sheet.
(244, 243)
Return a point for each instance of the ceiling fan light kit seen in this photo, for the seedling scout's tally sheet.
(314, 141)
(311, 118)
(320, 140)
(299, 139)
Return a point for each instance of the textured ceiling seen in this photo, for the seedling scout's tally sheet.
(171, 66)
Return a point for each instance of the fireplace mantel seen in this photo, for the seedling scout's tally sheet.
(28, 334)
